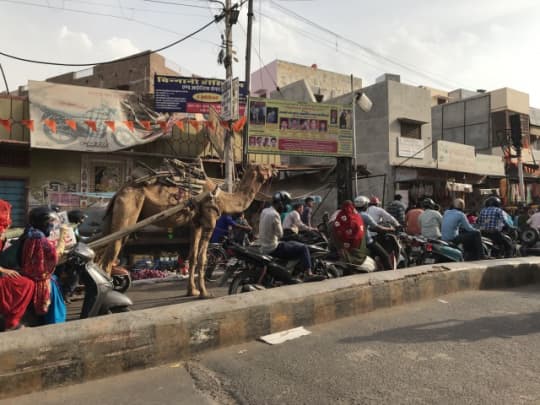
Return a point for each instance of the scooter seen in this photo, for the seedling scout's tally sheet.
(100, 297)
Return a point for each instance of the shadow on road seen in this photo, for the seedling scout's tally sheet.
(506, 326)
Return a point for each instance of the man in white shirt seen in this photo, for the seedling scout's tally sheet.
(379, 214)
(270, 231)
(430, 220)
(292, 224)
(534, 220)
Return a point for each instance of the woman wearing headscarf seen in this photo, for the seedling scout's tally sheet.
(349, 231)
(38, 258)
(16, 291)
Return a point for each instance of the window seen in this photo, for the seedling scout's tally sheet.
(410, 130)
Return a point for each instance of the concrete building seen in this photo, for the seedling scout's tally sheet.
(279, 73)
(395, 141)
(134, 74)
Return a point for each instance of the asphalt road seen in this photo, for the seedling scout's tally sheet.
(466, 348)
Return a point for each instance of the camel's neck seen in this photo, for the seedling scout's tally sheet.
(240, 200)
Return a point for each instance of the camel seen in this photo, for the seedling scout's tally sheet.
(133, 203)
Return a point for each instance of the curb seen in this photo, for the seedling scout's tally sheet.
(36, 359)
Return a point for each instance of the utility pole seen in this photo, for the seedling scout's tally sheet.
(228, 144)
(247, 80)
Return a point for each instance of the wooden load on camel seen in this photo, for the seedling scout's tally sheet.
(190, 178)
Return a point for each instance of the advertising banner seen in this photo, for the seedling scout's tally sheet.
(190, 94)
(89, 119)
(293, 128)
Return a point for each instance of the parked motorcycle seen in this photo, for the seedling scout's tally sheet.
(257, 271)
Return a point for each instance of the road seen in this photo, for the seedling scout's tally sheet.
(466, 348)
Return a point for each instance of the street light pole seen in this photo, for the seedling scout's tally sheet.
(247, 80)
(228, 144)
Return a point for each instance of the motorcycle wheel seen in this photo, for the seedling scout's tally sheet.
(216, 257)
(118, 310)
(122, 283)
(238, 283)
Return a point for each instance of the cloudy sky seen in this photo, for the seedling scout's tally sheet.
(472, 44)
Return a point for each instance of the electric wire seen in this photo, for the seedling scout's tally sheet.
(216, 19)
(133, 9)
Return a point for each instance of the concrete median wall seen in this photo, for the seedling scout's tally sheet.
(40, 358)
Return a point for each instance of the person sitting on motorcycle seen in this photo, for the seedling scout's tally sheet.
(455, 220)
(224, 225)
(379, 214)
(492, 220)
(16, 291)
(349, 236)
(412, 226)
(430, 220)
(293, 221)
(375, 249)
(270, 233)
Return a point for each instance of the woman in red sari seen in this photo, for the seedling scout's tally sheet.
(16, 291)
(39, 256)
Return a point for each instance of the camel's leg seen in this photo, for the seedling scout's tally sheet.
(126, 211)
(208, 224)
(196, 231)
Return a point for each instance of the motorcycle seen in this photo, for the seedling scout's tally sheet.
(530, 237)
(254, 270)
(420, 250)
(511, 236)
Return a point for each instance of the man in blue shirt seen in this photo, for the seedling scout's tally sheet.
(455, 220)
(223, 225)
(492, 220)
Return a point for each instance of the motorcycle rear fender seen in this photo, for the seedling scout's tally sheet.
(114, 299)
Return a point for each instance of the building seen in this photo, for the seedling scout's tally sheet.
(322, 84)
(134, 73)
(395, 141)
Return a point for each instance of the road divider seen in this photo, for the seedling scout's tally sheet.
(41, 358)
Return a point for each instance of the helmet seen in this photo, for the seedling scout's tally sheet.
(42, 218)
(459, 204)
(428, 203)
(493, 201)
(76, 216)
(281, 197)
(361, 201)
(374, 200)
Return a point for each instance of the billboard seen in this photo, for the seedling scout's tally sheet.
(293, 128)
(190, 94)
(87, 118)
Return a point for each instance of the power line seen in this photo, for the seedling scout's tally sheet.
(74, 10)
(174, 3)
(366, 49)
(216, 19)
(132, 9)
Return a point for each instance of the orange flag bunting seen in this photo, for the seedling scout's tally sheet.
(195, 124)
(72, 124)
(111, 125)
(91, 124)
(146, 125)
(28, 124)
(210, 125)
(51, 124)
(6, 124)
(162, 125)
(239, 125)
(180, 125)
(129, 125)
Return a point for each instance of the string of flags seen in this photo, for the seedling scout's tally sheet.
(52, 124)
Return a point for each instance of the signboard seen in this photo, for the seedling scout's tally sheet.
(293, 128)
(229, 99)
(88, 118)
(490, 165)
(410, 148)
(456, 157)
(191, 94)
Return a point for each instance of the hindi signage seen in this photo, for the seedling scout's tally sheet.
(191, 94)
(292, 128)
(229, 99)
(410, 148)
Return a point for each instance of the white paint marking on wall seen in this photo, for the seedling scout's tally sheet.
(280, 337)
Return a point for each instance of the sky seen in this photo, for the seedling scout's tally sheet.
(480, 44)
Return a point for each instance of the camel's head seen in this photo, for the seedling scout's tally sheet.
(265, 172)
